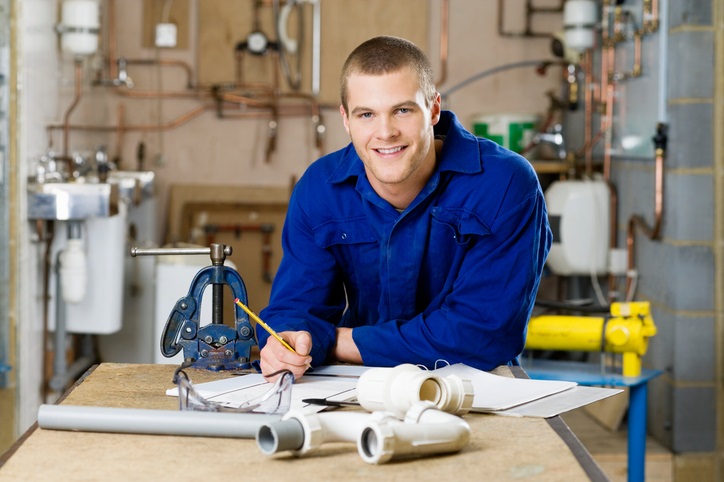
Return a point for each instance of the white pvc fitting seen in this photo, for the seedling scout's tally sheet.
(425, 431)
(397, 389)
(579, 22)
(304, 432)
(73, 272)
(80, 20)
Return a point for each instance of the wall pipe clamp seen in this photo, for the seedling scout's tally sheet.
(379, 436)
(399, 388)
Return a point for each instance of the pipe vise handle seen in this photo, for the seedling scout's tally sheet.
(217, 252)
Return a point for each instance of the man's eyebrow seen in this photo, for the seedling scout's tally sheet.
(407, 104)
(359, 109)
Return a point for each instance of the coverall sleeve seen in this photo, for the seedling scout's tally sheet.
(308, 289)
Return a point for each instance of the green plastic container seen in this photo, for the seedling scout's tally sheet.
(514, 131)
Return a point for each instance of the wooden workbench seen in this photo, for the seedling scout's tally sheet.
(500, 449)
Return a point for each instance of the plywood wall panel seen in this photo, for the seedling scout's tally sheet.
(345, 24)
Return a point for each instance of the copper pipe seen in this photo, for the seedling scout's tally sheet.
(308, 97)
(243, 100)
(618, 25)
(286, 111)
(263, 89)
(182, 119)
(608, 133)
(613, 234)
(76, 100)
(653, 232)
(636, 71)
(588, 110)
(120, 131)
(157, 94)
(319, 128)
(444, 40)
(112, 43)
(654, 15)
(650, 16)
(169, 63)
(605, 44)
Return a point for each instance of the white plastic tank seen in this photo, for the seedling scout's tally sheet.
(578, 212)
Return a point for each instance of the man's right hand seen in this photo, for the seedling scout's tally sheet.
(274, 357)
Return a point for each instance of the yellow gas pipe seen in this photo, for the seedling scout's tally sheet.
(627, 331)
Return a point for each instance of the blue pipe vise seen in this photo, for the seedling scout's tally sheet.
(215, 346)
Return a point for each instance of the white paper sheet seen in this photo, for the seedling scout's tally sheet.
(494, 392)
(561, 402)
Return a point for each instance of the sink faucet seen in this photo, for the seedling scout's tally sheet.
(47, 169)
(553, 137)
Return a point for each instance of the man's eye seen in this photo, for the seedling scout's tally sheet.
(403, 110)
(365, 115)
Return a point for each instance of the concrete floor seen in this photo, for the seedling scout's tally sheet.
(608, 448)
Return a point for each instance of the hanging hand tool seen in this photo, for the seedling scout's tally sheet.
(214, 346)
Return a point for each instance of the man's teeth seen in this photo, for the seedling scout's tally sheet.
(389, 151)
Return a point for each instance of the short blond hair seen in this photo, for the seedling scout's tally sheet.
(387, 54)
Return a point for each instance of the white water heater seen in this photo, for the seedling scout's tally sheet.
(578, 212)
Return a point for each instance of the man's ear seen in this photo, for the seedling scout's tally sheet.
(436, 108)
(345, 119)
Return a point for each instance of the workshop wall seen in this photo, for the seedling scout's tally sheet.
(682, 289)
(188, 147)
(226, 159)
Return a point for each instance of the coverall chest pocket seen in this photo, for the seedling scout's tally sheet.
(352, 241)
(458, 226)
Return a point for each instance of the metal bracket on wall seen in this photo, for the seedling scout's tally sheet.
(530, 11)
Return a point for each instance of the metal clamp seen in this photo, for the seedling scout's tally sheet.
(214, 346)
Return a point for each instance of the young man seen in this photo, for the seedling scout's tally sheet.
(417, 243)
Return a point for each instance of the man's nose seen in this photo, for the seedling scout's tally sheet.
(387, 127)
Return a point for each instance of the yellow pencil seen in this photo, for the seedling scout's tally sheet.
(264, 325)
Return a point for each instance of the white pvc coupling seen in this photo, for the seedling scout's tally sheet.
(397, 389)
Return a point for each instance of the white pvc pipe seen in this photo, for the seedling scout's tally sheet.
(157, 422)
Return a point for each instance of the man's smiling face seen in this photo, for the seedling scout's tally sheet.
(391, 128)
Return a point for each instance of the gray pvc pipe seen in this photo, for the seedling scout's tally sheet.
(157, 422)
(280, 436)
